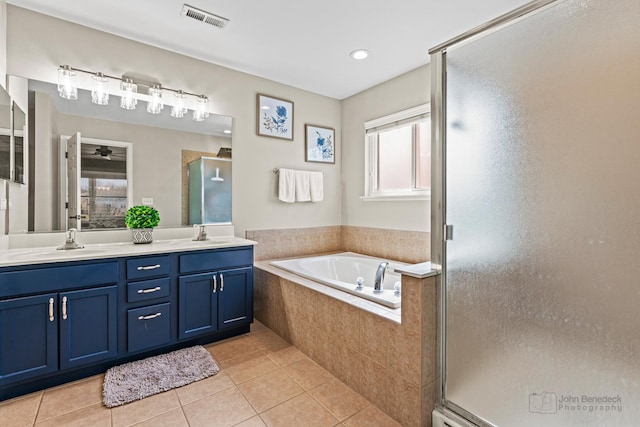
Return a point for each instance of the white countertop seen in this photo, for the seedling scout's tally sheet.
(419, 271)
(49, 254)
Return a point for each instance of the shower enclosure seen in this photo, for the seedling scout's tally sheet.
(210, 190)
(536, 216)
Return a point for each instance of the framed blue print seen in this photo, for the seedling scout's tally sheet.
(320, 144)
(274, 117)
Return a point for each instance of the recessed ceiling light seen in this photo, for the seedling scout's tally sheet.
(227, 131)
(359, 54)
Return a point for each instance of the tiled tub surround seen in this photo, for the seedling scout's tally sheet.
(290, 242)
(406, 246)
(387, 355)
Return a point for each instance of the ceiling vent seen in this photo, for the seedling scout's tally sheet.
(205, 17)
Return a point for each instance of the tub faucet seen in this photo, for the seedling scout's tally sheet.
(377, 283)
(202, 232)
(71, 241)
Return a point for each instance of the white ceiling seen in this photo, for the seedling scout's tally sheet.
(300, 43)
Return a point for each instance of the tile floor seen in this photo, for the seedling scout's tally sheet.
(263, 381)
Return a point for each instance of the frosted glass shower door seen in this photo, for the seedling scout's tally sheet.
(542, 277)
(217, 190)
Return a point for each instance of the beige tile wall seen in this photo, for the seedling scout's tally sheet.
(392, 365)
(398, 245)
(290, 242)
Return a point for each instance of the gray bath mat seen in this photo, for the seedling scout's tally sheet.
(142, 378)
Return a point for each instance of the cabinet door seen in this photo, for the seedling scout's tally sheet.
(28, 337)
(197, 305)
(88, 331)
(235, 297)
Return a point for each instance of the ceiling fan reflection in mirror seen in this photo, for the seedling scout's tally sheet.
(104, 152)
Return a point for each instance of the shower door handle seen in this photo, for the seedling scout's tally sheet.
(447, 233)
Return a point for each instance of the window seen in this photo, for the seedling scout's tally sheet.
(398, 156)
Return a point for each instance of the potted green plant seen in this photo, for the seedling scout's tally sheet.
(141, 220)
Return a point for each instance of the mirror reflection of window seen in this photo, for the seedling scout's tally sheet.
(5, 152)
(5, 134)
(103, 186)
(103, 203)
(19, 122)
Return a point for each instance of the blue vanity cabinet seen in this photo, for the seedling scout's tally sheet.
(62, 321)
(56, 318)
(218, 299)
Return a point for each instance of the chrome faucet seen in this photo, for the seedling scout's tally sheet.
(70, 241)
(377, 283)
(202, 232)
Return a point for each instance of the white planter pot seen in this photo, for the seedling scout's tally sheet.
(142, 235)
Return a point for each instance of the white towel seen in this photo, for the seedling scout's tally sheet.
(316, 186)
(303, 193)
(286, 185)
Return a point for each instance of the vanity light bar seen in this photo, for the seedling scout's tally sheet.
(68, 89)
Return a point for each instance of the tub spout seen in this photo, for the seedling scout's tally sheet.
(377, 283)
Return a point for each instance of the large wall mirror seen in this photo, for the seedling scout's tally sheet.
(90, 162)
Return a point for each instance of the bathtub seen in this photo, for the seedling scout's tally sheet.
(341, 271)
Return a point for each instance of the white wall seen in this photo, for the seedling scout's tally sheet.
(45, 159)
(37, 55)
(405, 91)
(3, 41)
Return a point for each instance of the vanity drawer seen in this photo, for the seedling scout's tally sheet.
(148, 327)
(147, 289)
(40, 280)
(141, 268)
(213, 260)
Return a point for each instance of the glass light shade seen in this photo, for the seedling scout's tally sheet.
(201, 112)
(128, 100)
(100, 92)
(155, 105)
(67, 88)
(179, 109)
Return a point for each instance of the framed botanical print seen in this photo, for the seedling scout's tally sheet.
(319, 144)
(274, 117)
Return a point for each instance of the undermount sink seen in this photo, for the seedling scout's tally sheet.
(210, 241)
(54, 253)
